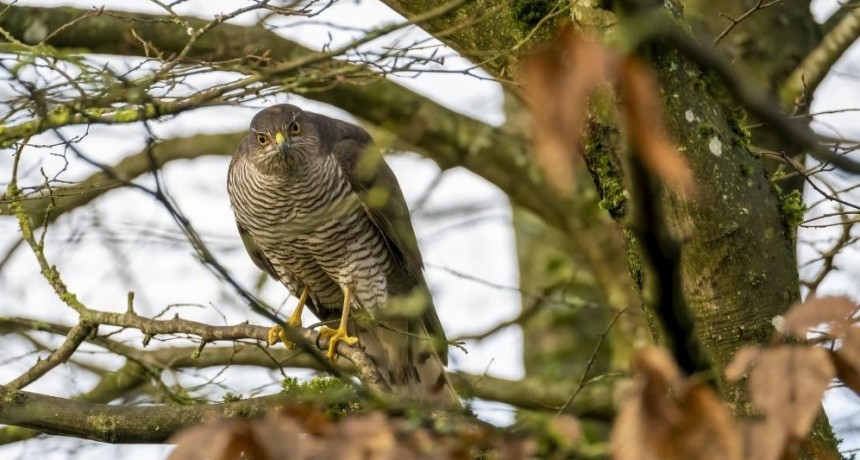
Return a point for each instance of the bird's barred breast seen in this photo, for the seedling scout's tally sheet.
(319, 236)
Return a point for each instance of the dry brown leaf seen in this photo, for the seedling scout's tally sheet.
(741, 362)
(666, 418)
(850, 350)
(222, 439)
(304, 433)
(312, 418)
(558, 81)
(565, 429)
(706, 430)
(281, 437)
(362, 438)
(640, 100)
(657, 366)
(763, 439)
(847, 360)
(836, 312)
(787, 384)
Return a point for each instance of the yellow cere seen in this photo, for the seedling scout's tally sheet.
(279, 138)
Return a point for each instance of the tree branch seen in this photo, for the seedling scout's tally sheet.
(496, 34)
(811, 72)
(111, 386)
(66, 198)
(443, 135)
(74, 339)
(119, 424)
(760, 5)
(597, 400)
(366, 369)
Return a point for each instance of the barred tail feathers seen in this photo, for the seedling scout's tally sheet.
(410, 364)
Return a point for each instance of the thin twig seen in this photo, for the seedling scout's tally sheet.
(734, 22)
(74, 339)
(804, 80)
(591, 360)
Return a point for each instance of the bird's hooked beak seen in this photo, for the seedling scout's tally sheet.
(282, 142)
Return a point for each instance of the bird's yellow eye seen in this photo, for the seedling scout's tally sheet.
(295, 128)
(262, 139)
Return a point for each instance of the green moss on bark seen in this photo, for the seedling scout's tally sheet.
(601, 141)
(529, 13)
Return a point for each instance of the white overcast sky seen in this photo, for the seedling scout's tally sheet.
(162, 271)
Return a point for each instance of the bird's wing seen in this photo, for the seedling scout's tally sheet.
(374, 181)
(256, 253)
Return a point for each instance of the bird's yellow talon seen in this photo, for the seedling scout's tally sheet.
(335, 336)
(339, 334)
(277, 333)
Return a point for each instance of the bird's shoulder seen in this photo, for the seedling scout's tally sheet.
(370, 177)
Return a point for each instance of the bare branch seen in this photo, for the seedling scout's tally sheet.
(75, 337)
(815, 66)
(597, 401)
(760, 5)
(119, 424)
(66, 198)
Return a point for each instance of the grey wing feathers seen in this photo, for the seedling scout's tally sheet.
(256, 253)
(372, 178)
(375, 182)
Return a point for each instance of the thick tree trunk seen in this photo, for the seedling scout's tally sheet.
(769, 58)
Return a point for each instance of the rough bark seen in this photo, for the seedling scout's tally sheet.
(492, 34)
(768, 58)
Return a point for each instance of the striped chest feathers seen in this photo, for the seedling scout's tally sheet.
(309, 223)
(279, 205)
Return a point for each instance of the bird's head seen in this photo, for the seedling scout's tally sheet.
(283, 135)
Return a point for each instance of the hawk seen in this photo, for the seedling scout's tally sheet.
(320, 211)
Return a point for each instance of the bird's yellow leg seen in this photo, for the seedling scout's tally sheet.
(277, 332)
(340, 333)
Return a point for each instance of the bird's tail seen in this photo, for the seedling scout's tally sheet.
(408, 358)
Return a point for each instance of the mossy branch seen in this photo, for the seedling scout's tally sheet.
(804, 80)
(114, 424)
(110, 387)
(118, 424)
(75, 337)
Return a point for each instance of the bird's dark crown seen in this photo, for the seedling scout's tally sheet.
(315, 128)
(276, 118)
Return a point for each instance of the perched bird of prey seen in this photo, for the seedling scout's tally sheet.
(320, 211)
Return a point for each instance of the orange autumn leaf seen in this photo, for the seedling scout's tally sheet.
(640, 100)
(666, 417)
(558, 81)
